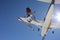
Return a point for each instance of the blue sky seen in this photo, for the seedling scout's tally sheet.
(12, 29)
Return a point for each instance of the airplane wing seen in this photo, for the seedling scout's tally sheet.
(55, 25)
(49, 1)
(37, 23)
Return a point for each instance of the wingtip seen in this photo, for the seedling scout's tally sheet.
(19, 18)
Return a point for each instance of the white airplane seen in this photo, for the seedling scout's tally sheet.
(47, 23)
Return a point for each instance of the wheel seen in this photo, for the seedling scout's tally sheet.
(52, 32)
(38, 29)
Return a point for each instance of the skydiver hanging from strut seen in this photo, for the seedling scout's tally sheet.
(30, 16)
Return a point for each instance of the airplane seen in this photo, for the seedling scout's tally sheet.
(47, 23)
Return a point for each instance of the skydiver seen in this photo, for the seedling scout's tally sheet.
(30, 16)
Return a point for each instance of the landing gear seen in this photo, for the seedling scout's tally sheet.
(38, 29)
(52, 32)
(43, 37)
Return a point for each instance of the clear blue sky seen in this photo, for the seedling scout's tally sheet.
(12, 29)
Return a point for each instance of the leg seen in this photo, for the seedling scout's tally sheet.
(29, 19)
(29, 25)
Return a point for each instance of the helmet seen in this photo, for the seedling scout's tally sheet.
(28, 10)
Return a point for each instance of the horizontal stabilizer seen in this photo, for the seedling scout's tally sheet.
(38, 22)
